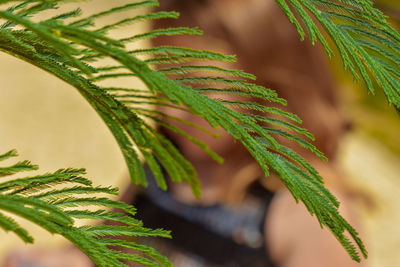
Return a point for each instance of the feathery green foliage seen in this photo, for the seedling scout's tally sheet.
(71, 47)
(56, 201)
(367, 43)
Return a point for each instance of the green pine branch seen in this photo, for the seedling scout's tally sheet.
(368, 45)
(54, 201)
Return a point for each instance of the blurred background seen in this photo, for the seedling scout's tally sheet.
(50, 124)
(370, 157)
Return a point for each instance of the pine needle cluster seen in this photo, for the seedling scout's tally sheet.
(368, 45)
(57, 201)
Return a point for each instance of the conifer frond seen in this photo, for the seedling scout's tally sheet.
(368, 45)
(71, 51)
(57, 210)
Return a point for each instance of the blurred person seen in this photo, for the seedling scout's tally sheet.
(213, 231)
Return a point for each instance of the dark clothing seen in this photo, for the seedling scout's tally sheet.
(218, 235)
